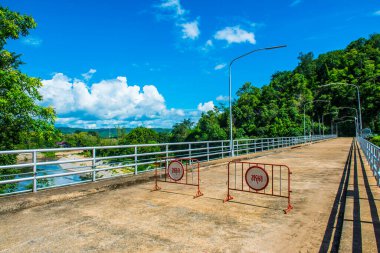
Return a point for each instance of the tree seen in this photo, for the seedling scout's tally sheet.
(19, 112)
(18, 92)
(208, 128)
(181, 130)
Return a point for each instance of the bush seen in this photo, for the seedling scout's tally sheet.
(375, 140)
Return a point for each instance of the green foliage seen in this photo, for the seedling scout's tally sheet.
(20, 115)
(142, 135)
(181, 130)
(82, 139)
(208, 128)
(375, 140)
(21, 118)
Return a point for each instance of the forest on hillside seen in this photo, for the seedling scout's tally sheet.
(277, 109)
(274, 110)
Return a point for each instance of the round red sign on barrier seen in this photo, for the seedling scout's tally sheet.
(176, 170)
(256, 178)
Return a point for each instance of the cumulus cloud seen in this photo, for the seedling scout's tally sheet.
(207, 106)
(190, 30)
(220, 66)
(106, 102)
(173, 6)
(173, 10)
(235, 35)
(222, 98)
(87, 76)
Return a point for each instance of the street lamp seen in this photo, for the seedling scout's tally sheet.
(304, 108)
(336, 124)
(352, 108)
(230, 87)
(343, 107)
(358, 94)
(355, 119)
(323, 124)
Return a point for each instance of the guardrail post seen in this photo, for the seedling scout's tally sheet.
(34, 171)
(262, 145)
(94, 164)
(222, 149)
(247, 147)
(208, 151)
(136, 160)
(254, 143)
(237, 147)
(189, 150)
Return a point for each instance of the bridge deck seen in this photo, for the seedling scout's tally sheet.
(134, 219)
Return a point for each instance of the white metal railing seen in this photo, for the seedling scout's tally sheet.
(100, 162)
(372, 154)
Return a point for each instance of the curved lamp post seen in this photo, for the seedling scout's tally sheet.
(323, 129)
(304, 108)
(343, 107)
(352, 108)
(358, 94)
(230, 87)
(353, 118)
(336, 124)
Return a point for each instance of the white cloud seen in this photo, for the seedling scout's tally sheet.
(87, 76)
(295, 2)
(104, 100)
(174, 6)
(32, 41)
(220, 66)
(207, 46)
(377, 13)
(208, 106)
(190, 30)
(173, 10)
(235, 35)
(109, 102)
(222, 98)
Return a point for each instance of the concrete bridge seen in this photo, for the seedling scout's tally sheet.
(334, 195)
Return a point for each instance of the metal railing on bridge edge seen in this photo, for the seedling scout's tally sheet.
(372, 154)
(34, 173)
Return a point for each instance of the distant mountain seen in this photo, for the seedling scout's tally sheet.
(105, 132)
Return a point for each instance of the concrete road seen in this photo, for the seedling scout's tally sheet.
(134, 219)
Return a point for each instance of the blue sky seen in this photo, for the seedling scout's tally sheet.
(154, 63)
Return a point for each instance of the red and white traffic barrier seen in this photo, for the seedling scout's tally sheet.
(178, 171)
(259, 178)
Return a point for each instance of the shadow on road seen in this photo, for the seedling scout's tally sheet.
(333, 233)
(337, 211)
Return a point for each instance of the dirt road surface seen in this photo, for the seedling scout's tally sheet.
(134, 219)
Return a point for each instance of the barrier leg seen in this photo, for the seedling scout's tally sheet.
(156, 187)
(229, 197)
(199, 193)
(290, 207)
